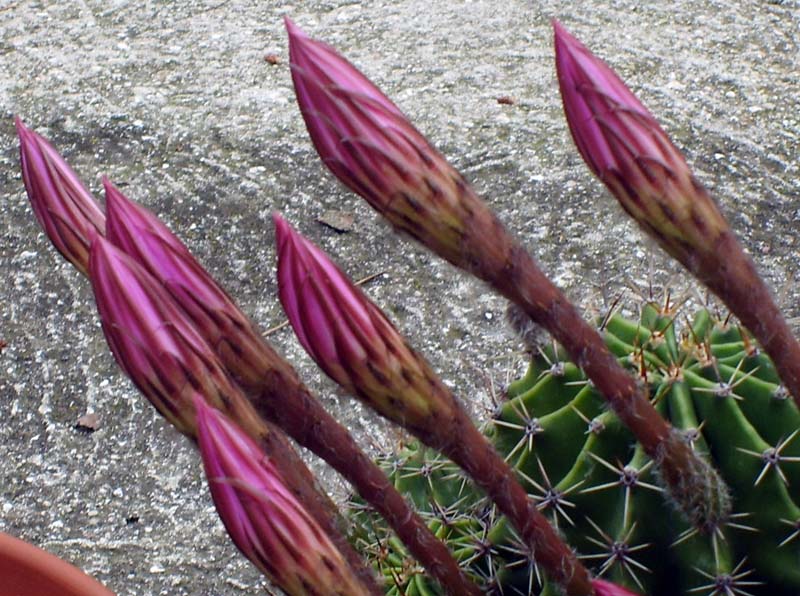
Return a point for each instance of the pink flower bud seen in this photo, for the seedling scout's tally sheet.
(351, 339)
(276, 390)
(152, 339)
(140, 234)
(626, 148)
(266, 522)
(376, 152)
(128, 221)
(67, 212)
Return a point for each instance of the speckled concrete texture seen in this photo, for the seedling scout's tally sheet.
(176, 103)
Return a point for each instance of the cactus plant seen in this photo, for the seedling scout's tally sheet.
(595, 483)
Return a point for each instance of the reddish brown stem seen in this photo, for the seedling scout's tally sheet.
(503, 263)
(314, 428)
(692, 482)
(547, 305)
(467, 447)
(688, 477)
(730, 273)
(376, 489)
(284, 399)
(494, 256)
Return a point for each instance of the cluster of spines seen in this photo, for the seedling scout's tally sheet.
(599, 487)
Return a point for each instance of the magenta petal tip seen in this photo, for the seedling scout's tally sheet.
(291, 28)
(63, 206)
(606, 588)
(282, 227)
(263, 518)
(20, 126)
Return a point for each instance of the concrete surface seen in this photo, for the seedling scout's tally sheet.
(175, 102)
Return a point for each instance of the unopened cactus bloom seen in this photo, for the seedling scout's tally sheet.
(128, 222)
(606, 588)
(372, 148)
(624, 146)
(266, 522)
(143, 236)
(67, 212)
(140, 234)
(351, 339)
(150, 337)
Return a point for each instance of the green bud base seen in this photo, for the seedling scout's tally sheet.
(600, 489)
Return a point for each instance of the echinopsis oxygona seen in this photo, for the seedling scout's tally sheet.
(603, 485)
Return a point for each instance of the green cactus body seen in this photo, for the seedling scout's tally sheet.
(599, 487)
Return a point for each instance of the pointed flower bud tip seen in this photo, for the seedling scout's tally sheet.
(150, 337)
(214, 314)
(306, 278)
(592, 93)
(351, 339)
(625, 147)
(127, 220)
(62, 205)
(326, 75)
(143, 236)
(606, 588)
(265, 521)
(291, 28)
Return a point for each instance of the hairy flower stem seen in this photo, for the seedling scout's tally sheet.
(490, 253)
(366, 141)
(173, 366)
(357, 346)
(731, 274)
(284, 399)
(468, 448)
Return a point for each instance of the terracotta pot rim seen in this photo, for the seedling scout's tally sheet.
(28, 561)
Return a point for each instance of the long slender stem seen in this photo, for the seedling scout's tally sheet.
(496, 257)
(730, 273)
(472, 451)
(377, 489)
(692, 482)
(548, 306)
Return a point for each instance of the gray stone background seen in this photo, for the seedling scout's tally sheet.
(176, 102)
